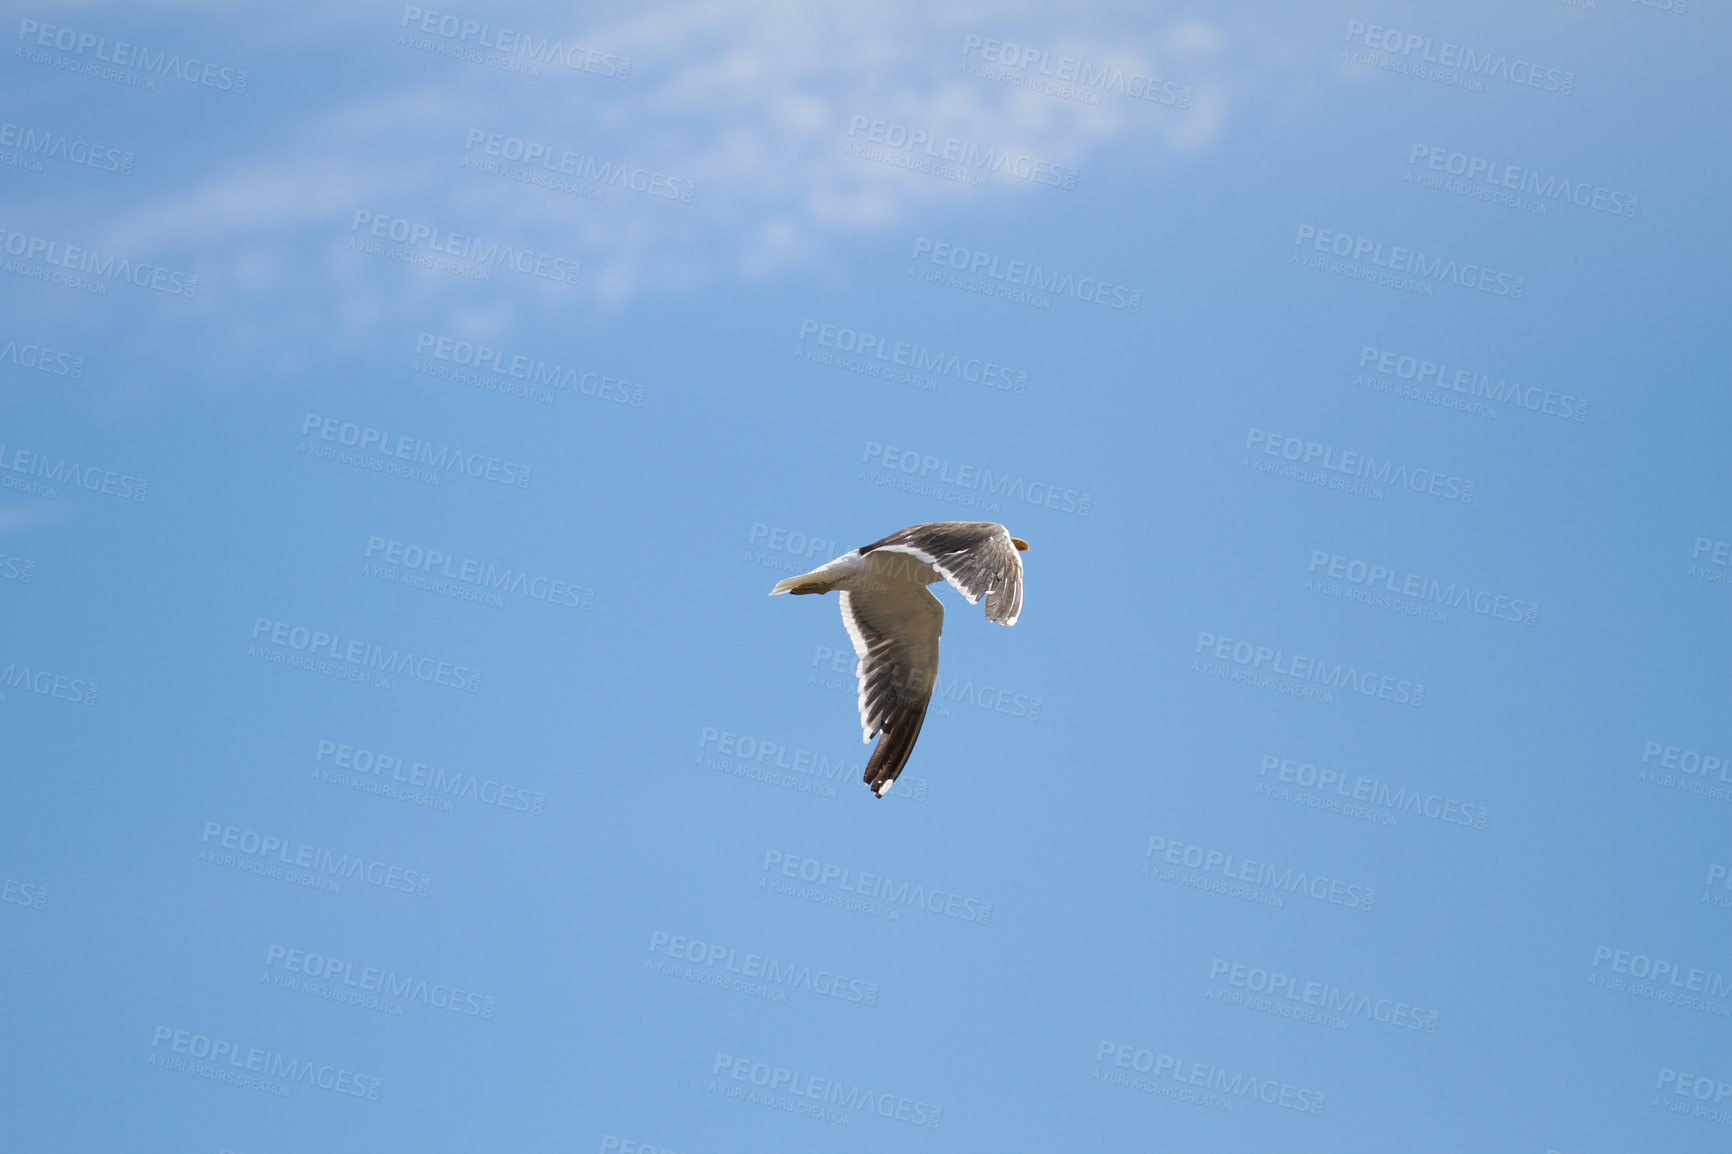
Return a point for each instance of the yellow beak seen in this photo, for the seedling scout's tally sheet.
(1019, 542)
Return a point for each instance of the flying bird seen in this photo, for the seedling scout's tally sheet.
(894, 621)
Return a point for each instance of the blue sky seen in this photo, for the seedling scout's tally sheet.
(407, 410)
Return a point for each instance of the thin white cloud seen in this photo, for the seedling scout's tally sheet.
(751, 102)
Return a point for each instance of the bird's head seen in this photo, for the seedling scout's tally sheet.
(1019, 543)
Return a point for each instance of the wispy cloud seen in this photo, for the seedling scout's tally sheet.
(749, 105)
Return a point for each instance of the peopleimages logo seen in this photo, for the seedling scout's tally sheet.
(372, 979)
(510, 42)
(1058, 282)
(775, 975)
(1691, 762)
(1405, 367)
(1300, 668)
(462, 246)
(126, 55)
(915, 357)
(255, 1060)
(1072, 70)
(998, 161)
(35, 897)
(95, 478)
(877, 887)
(794, 543)
(14, 568)
(1715, 568)
(532, 371)
(58, 146)
(41, 358)
(1392, 800)
(1325, 996)
(1499, 176)
(395, 447)
(1306, 454)
(929, 469)
(47, 683)
(1262, 874)
(1702, 1087)
(565, 162)
(801, 1088)
(958, 691)
(1222, 1081)
(300, 855)
(745, 750)
(1691, 979)
(1411, 262)
(47, 253)
(363, 654)
(1719, 552)
(1468, 62)
(1393, 579)
(1721, 874)
(483, 575)
(372, 764)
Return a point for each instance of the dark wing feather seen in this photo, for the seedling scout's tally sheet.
(977, 557)
(895, 632)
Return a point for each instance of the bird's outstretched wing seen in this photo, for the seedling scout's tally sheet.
(977, 557)
(895, 630)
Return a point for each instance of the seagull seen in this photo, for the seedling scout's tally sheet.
(894, 621)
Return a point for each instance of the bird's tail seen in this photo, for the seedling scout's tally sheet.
(811, 582)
